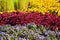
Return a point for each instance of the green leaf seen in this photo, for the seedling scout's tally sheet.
(12, 39)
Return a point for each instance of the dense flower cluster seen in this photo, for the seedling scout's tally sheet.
(28, 32)
(47, 20)
(44, 5)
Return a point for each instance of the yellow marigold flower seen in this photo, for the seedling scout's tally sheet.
(35, 9)
(30, 10)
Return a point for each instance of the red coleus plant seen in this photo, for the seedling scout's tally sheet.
(47, 20)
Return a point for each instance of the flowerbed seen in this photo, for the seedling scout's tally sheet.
(48, 20)
(28, 32)
(29, 19)
(44, 6)
(29, 26)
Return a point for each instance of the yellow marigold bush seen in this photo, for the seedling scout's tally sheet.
(44, 5)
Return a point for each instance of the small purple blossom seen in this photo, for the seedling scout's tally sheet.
(41, 37)
(46, 33)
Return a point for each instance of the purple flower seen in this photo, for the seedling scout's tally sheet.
(58, 33)
(22, 38)
(17, 28)
(3, 33)
(46, 33)
(49, 31)
(41, 37)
